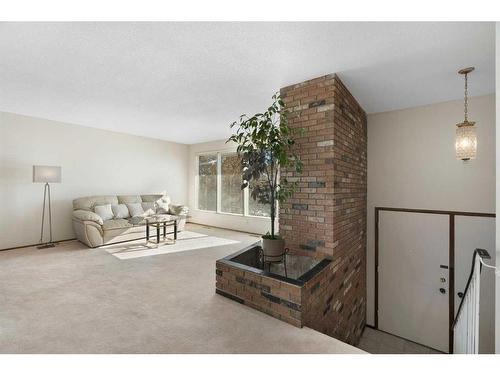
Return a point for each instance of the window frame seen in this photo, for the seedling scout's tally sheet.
(246, 194)
(197, 181)
(219, 185)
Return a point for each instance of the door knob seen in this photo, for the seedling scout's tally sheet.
(460, 295)
(442, 290)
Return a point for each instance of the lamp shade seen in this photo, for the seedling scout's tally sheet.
(466, 141)
(46, 173)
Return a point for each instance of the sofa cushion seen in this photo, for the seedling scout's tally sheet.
(116, 224)
(123, 234)
(129, 199)
(161, 201)
(104, 211)
(120, 211)
(149, 208)
(88, 203)
(84, 215)
(135, 209)
(178, 210)
(151, 197)
(162, 208)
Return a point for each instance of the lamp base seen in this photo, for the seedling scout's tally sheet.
(46, 245)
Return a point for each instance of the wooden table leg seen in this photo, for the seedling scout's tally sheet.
(175, 230)
(164, 229)
(147, 232)
(158, 234)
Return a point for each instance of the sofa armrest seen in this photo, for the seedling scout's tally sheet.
(178, 210)
(87, 216)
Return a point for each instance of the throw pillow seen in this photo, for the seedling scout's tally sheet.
(120, 211)
(104, 211)
(149, 208)
(162, 207)
(178, 210)
(135, 209)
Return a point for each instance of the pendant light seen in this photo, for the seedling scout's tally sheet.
(466, 137)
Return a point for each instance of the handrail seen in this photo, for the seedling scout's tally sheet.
(483, 254)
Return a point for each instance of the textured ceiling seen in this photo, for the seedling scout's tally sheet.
(186, 82)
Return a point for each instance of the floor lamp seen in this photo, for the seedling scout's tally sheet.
(46, 174)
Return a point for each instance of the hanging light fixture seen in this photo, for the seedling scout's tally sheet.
(466, 137)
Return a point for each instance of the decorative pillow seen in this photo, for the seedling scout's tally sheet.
(120, 211)
(135, 209)
(179, 210)
(162, 207)
(104, 211)
(149, 208)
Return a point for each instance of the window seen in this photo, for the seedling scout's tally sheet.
(207, 184)
(219, 186)
(255, 208)
(231, 193)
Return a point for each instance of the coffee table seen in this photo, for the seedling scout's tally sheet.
(159, 221)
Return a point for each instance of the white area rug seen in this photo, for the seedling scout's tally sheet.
(186, 241)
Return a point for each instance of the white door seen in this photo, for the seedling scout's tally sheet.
(413, 300)
(470, 233)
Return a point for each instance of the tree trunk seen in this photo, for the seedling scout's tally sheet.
(273, 212)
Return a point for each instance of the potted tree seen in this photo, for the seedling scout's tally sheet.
(264, 145)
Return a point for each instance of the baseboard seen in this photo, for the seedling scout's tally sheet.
(216, 227)
(36, 244)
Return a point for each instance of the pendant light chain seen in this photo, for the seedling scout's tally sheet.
(465, 134)
(465, 100)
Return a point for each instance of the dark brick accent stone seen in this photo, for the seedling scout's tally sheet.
(317, 184)
(317, 103)
(291, 305)
(307, 247)
(316, 243)
(297, 206)
(270, 297)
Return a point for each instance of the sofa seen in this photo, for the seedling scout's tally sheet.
(105, 219)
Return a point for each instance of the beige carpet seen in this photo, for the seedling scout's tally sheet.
(186, 241)
(71, 299)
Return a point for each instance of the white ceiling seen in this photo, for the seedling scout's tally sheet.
(186, 82)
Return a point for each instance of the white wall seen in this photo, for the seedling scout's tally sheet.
(497, 310)
(94, 162)
(411, 164)
(236, 222)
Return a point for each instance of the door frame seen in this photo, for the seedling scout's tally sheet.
(451, 257)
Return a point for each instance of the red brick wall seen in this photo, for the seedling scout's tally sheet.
(333, 301)
(326, 217)
(276, 298)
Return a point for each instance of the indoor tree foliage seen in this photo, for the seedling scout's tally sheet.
(265, 144)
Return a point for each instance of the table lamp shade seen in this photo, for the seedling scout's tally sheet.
(46, 173)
